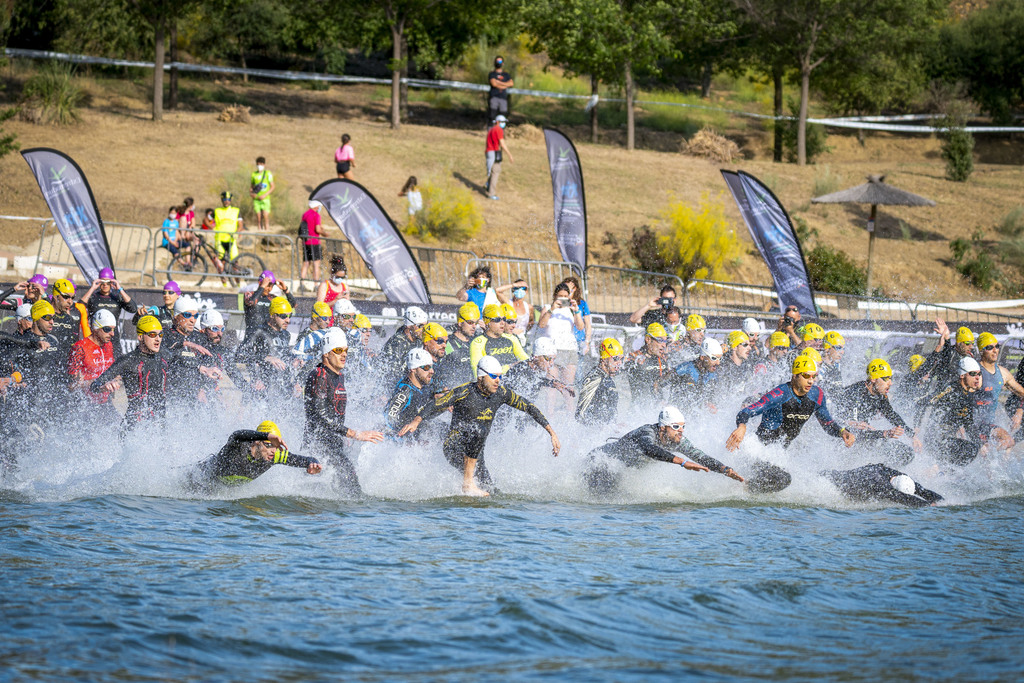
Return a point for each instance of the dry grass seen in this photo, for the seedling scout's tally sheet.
(709, 144)
(235, 113)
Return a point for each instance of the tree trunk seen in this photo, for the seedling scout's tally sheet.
(779, 124)
(396, 74)
(705, 81)
(241, 58)
(801, 130)
(630, 116)
(593, 110)
(403, 88)
(158, 74)
(172, 92)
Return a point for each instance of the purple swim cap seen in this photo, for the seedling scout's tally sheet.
(39, 279)
(172, 286)
(106, 274)
(268, 275)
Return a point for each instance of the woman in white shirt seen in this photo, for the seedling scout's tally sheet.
(559, 321)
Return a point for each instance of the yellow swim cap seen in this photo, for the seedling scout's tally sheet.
(813, 354)
(65, 287)
(492, 311)
(695, 322)
(834, 339)
(779, 340)
(964, 334)
(469, 312)
(148, 323)
(915, 361)
(362, 322)
(269, 427)
(509, 311)
(987, 339)
(813, 331)
(735, 338)
(322, 310)
(803, 364)
(41, 308)
(611, 347)
(879, 368)
(433, 331)
(279, 304)
(657, 331)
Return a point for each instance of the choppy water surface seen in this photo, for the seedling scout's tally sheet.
(137, 587)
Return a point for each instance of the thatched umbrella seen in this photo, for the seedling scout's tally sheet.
(874, 192)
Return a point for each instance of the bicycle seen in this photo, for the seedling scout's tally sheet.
(190, 267)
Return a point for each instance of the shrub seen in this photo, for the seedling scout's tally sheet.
(832, 270)
(973, 262)
(449, 214)
(1012, 224)
(8, 142)
(52, 95)
(282, 211)
(957, 150)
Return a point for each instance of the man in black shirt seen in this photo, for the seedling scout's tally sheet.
(500, 81)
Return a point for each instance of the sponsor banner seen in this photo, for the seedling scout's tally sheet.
(570, 201)
(373, 234)
(70, 199)
(775, 238)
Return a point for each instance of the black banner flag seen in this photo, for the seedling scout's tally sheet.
(570, 201)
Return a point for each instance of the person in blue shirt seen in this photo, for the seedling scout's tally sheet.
(170, 232)
(480, 290)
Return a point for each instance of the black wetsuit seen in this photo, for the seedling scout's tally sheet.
(856, 403)
(223, 358)
(637, 449)
(394, 356)
(874, 482)
(42, 370)
(114, 303)
(830, 376)
(954, 409)
(144, 377)
(262, 342)
(405, 404)
(235, 465)
(471, 421)
(325, 402)
(598, 402)
(784, 414)
(649, 377)
(183, 380)
(256, 306)
(454, 369)
(164, 314)
(67, 328)
(526, 380)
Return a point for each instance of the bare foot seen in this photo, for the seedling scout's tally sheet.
(474, 491)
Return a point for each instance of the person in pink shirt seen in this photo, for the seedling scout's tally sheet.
(312, 230)
(345, 158)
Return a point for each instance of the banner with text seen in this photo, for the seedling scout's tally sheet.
(774, 236)
(373, 234)
(70, 199)
(570, 201)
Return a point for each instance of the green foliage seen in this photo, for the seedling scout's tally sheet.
(826, 182)
(1012, 224)
(804, 233)
(449, 214)
(973, 262)
(905, 231)
(699, 242)
(55, 93)
(834, 271)
(958, 152)
(8, 142)
(282, 210)
(816, 136)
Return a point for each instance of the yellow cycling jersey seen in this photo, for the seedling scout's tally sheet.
(226, 219)
(505, 348)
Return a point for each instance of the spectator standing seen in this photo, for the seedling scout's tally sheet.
(500, 81)
(412, 193)
(312, 251)
(495, 151)
(345, 158)
(576, 293)
(261, 186)
(559, 321)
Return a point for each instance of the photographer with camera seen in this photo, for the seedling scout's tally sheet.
(788, 323)
(654, 311)
(559, 322)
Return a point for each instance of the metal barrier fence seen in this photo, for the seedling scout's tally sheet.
(621, 290)
(444, 269)
(129, 246)
(269, 251)
(542, 276)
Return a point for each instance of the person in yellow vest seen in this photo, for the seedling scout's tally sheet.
(261, 184)
(228, 222)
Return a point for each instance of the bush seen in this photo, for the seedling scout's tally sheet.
(958, 151)
(816, 136)
(834, 271)
(52, 95)
(699, 243)
(1012, 224)
(282, 211)
(449, 214)
(973, 262)
(8, 142)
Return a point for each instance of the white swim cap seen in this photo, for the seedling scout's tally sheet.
(212, 318)
(670, 415)
(24, 312)
(418, 358)
(752, 326)
(710, 347)
(544, 346)
(344, 307)
(186, 304)
(968, 364)
(334, 339)
(101, 318)
(414, 315)
(903, 484)
(488, 365)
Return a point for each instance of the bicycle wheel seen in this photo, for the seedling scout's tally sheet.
(247, 266)
(188, 270)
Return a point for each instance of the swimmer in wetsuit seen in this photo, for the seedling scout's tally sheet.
(247, 455)
(412, 393)
(880, 483)
(598, 403)
(662, 442)
(474, 406)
